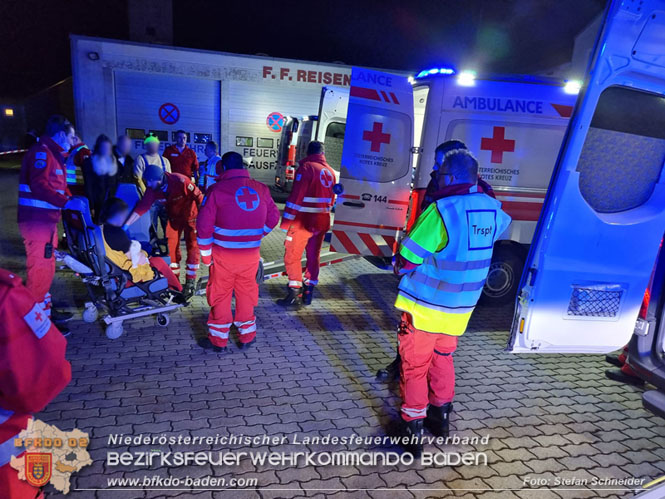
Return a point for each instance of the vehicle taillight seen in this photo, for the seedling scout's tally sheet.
(645, 304)
(290, 173)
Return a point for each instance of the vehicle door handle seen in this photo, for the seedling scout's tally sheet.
(355, 204)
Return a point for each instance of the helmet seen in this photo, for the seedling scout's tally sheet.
(153, 172)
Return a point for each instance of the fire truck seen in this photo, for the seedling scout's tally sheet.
(514, 125)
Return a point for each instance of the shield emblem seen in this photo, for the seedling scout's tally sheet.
(38, 468)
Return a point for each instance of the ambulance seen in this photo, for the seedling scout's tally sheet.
(388, 126)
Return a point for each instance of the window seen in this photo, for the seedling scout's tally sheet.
(334, 143)
(244, 141)
(135, 133)
(202, 138)
(624, 149)
(263, 142)
(162, 135)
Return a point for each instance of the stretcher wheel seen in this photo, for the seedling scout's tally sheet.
(163, 320)
(114, 330)
(90, 314)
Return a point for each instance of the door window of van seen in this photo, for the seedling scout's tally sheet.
(624, 150)
(334, 142)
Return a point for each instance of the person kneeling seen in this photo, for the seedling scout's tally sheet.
(126, 253)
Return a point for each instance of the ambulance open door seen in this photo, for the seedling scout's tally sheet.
(604, 215)
(376, 171)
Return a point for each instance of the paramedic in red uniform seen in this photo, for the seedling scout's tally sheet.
(182, 201)
(182, 158)
(42, 192)
(236, 214)
(33, 370)
(306, 220)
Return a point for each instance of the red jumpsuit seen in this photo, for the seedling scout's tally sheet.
(307, 218)
(182, 200)
(186, 163)
(42, 192)
(33, 370)
(235, 215)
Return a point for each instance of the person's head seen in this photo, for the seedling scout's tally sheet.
(124, 145)
(181, 138)
(114, 212)
(458, 167)
(151, 144)
(315, 147)
(211, 149)
(103, 146)
(443, 149)
(61, 131)
(153, 176)
(232, 161)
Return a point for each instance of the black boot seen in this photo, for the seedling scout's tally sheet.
(206, 344)
(307, 293)
(292, 299)
(188, 289)
(438, 419)
(390, 372)
(413, 430)
(60, 316)
(614, 360)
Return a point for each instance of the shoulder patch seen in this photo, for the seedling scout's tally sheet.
(40, 155)
(190, 187)
(38, 321)
(39, 163)
(299, 176)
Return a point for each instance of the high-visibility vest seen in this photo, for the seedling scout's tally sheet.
(441, 293)
(74, 171)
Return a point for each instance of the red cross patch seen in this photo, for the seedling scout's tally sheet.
(37, 320)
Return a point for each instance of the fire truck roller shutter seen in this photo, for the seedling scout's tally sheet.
(190, 104)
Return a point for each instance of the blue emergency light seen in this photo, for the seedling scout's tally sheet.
(436, 71)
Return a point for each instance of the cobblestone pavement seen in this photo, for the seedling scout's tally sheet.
(311, 373)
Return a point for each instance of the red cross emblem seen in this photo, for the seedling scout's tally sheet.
(326, 177)
(376, 137)
(498, 144)
(248, 197)
(38, 316)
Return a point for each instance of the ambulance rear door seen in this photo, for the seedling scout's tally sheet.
(331, 124)
(604, 215)
(376, 171)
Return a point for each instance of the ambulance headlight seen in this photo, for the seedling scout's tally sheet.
(572, 87)
(466, 78)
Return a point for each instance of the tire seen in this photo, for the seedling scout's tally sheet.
(163, 320)
(114, 330)
(90, 314)
(504, 276)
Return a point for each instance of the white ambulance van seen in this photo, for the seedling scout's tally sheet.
(513, 125)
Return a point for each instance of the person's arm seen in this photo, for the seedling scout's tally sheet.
(195, 192)
(205, 226)
(142, 206)
(195, 167)
(41, 167)
(272, 215)
(139, 168)
(427, 236)
(88, 181)
(294, 201)
(34, 368)
(167, 165)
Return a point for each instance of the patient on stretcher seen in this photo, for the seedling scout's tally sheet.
(126, 253)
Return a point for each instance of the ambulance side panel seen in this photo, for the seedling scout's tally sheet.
(604, 216)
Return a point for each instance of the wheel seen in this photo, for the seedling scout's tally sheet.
(114, 330)
(163, 320)
(90, 314)
(503, 277)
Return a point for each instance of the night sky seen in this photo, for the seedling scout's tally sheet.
(508, 36)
